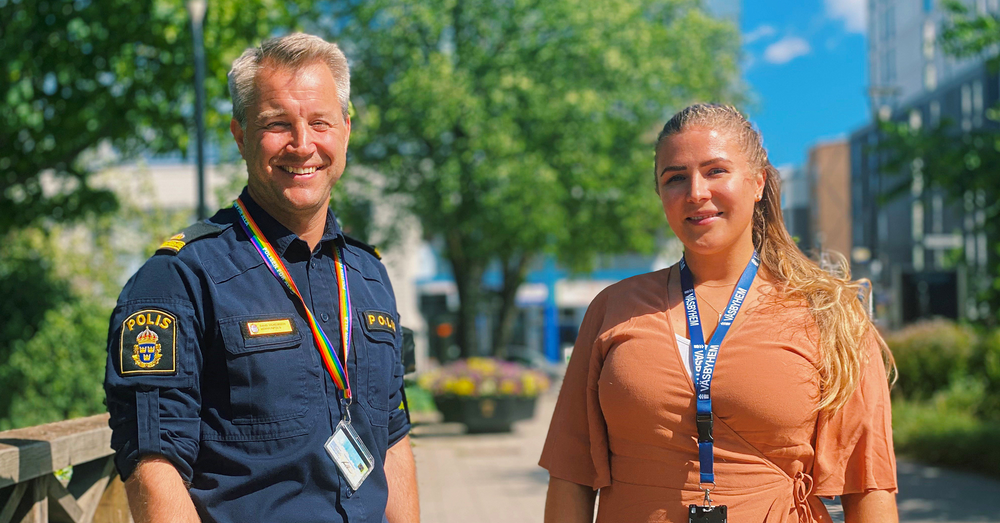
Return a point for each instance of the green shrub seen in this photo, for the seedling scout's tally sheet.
(933, 432)
(930, 355)
(989, 368)
(419, 399)
(58, 373)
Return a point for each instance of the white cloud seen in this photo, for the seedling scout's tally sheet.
(786, 50)
(763, 31)
(854, 13)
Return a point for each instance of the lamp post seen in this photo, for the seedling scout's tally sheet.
(196, 8)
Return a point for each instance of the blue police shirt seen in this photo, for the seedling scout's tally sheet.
(212, 364)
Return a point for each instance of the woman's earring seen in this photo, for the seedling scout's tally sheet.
(758, 197)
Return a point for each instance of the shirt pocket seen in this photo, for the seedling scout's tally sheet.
(377, 352)
(267, 373)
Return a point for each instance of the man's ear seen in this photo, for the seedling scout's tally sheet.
(347, 125)
(237, 130)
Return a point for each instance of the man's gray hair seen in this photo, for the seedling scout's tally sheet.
(292, 51)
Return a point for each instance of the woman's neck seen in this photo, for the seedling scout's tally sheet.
(719, 268)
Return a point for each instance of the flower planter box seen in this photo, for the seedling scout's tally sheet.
(485, 414)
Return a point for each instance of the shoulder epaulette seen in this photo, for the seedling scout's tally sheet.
(368, 248)
(194, 232)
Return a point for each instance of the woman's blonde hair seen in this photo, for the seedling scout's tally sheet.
(833, 298)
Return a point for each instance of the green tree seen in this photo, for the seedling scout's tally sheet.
(961, 163)
(63, 282)
(517, 128)
(77, 80)
(76, 75)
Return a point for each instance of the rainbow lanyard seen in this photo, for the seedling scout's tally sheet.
(337, 371)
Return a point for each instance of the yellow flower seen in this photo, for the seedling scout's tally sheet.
(427, 380)
(508, 387)
(530, 384)
(462, 387)
(483, 365)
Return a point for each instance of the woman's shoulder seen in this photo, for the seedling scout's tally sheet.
(635, 288)
(621, 300)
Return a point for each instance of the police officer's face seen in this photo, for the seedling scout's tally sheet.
(708, 189)
(295, 141)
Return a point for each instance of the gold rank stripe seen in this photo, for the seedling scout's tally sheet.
(265, 328)
(174, 245)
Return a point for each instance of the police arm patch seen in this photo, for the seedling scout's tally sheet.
(148, 344)
(379, 321)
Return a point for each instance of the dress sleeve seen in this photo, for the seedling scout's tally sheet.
(576, 448)
(854, 452)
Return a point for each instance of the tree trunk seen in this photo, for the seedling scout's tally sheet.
(514, 269)
(469, 283)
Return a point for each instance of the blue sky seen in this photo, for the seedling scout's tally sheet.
(805, 63)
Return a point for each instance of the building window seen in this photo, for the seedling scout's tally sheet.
(930, 77)
(966, 107)
(916, 119)
(891, 65)
(977, 103)
(928, 5)
(930, 38)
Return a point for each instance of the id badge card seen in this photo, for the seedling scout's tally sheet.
(350, 454)
(703, 514)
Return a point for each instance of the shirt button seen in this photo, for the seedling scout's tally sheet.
(312, 264)
(324, 316)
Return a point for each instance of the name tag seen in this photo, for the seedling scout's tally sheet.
(263, 328)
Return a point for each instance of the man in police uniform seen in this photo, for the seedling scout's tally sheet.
(221, 406)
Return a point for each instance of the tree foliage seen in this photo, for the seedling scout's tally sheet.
(79, 74)
(60, 284)
(523, 127)
(961, 163)
(86, 83)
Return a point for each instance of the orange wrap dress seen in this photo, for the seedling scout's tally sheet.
(625, 418)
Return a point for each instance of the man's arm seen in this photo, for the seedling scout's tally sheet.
(401, 474)
(157, 493)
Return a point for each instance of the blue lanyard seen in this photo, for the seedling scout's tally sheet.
(704, 356)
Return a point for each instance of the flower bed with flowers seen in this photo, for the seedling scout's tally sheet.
(485, 394)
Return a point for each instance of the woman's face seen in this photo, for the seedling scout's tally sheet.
(708, 189)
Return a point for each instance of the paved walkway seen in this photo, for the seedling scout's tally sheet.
(494, 478)
(483, 478)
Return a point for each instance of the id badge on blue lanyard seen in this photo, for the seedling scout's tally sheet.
(703, 359)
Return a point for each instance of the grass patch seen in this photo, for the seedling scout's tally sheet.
(418, 399)
(934, 433)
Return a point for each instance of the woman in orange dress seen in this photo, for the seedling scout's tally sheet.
(798, 388)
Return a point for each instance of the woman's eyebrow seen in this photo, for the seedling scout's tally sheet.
(702, 164)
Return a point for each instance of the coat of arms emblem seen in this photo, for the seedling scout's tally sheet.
(146, 352)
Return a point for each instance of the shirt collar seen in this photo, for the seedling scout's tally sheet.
(279, 236)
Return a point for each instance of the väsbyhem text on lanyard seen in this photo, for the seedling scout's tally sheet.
(704, 357)
(327, 352)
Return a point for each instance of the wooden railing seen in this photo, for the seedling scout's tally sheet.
(60, 472)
